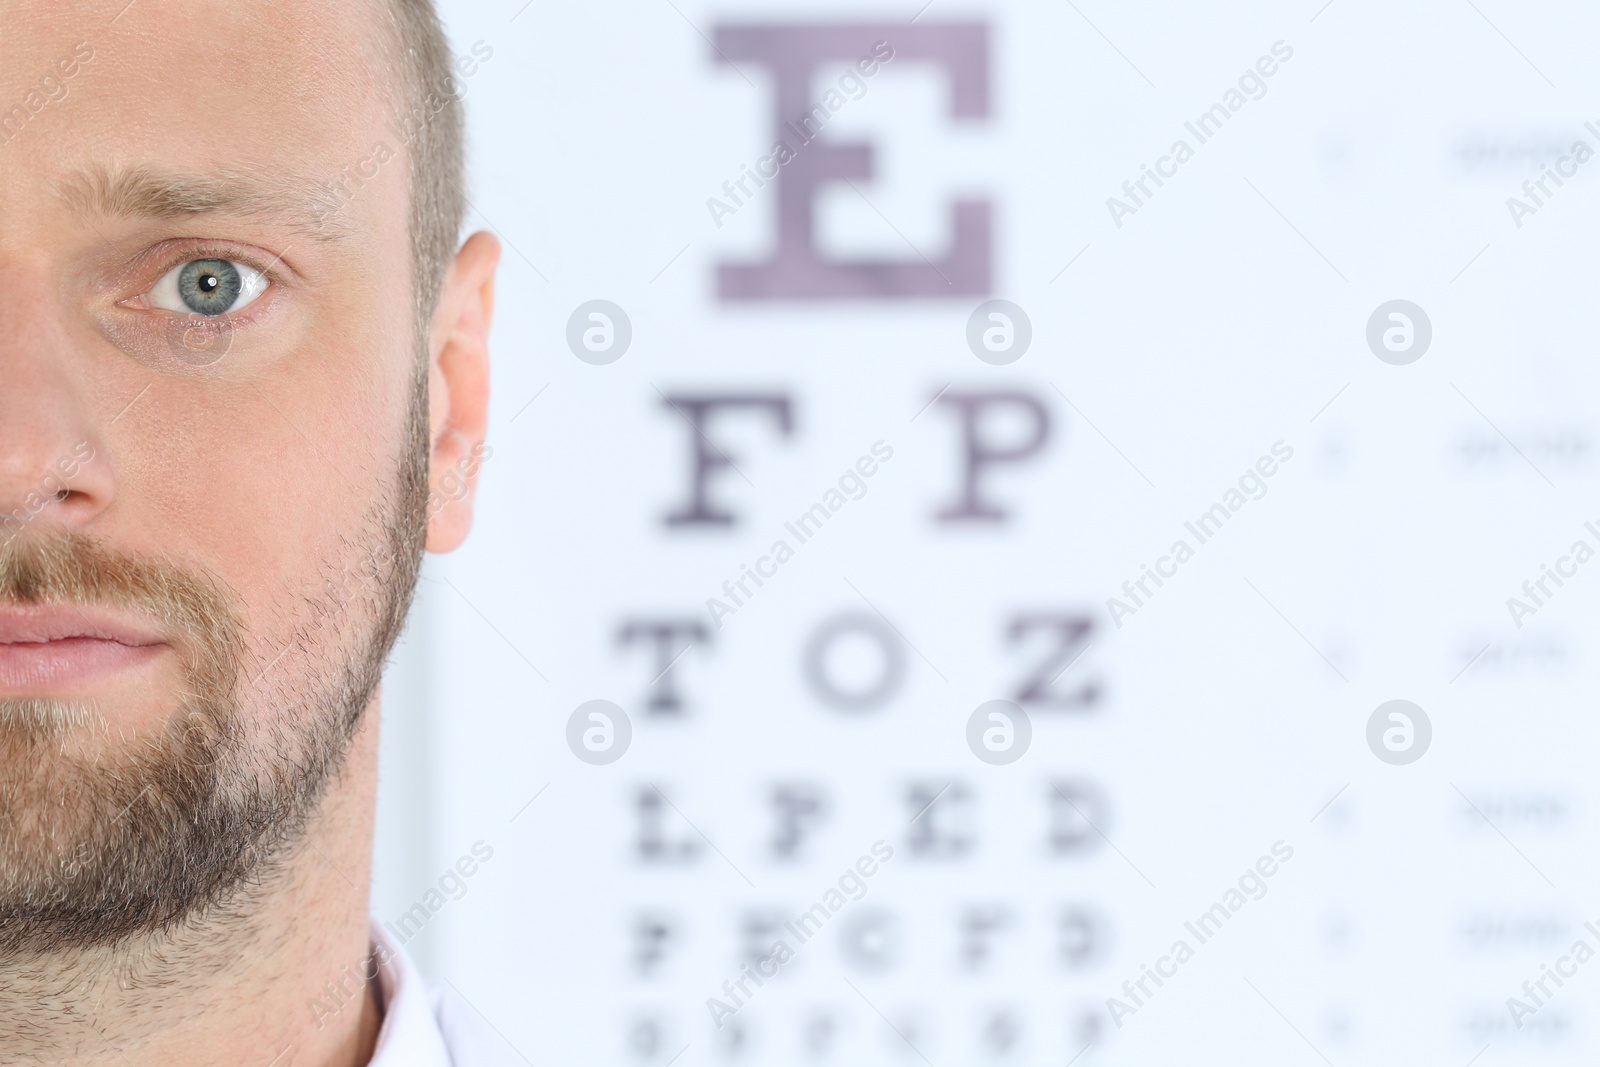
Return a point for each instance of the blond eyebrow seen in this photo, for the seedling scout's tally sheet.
(310, 209)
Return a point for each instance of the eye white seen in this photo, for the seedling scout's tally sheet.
(166, 296)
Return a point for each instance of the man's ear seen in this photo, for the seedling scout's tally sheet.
(458, 390)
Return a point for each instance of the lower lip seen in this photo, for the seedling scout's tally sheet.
(38, 669)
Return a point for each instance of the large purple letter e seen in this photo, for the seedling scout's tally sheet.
(796, 271)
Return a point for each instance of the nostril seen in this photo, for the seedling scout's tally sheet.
(71, 487)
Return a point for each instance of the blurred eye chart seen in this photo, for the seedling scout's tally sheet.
(1020, 533)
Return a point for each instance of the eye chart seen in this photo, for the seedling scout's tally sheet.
(1019, 533)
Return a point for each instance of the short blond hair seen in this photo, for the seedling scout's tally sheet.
(434, 120)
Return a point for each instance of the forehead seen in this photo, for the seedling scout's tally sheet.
(304, 86)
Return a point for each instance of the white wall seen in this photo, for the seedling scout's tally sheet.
(1227, 314)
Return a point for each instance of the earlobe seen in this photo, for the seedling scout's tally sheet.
(458, 384)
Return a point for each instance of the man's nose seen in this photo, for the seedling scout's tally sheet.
(53, 466)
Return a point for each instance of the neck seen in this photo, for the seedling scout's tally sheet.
(246, 983)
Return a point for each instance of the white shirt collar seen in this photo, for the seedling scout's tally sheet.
(410, 1035)
(427, 1024)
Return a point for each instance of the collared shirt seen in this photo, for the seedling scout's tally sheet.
(427, 1024)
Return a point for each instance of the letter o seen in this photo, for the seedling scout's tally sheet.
(893, 662)
(870, 941)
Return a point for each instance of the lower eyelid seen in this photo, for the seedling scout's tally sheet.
(182, 344)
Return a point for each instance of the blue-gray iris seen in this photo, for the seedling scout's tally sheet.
(209, 286)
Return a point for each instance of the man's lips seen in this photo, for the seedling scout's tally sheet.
(52, 649)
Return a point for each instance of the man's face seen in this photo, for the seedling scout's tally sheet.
(210, 494)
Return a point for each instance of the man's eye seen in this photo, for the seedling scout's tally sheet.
(208, 287)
